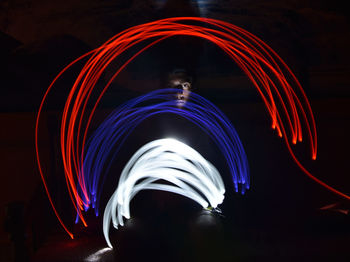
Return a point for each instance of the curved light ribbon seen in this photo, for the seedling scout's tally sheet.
(281, 92)
(112, 133)
(185, 170)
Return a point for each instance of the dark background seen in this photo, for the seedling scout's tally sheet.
(278, 219)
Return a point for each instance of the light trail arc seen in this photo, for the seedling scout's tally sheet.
(281, 92)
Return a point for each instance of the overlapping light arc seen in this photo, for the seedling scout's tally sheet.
(109, 137)
(186, 171)
(282, 94)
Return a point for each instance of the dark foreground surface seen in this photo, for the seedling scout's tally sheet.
(188, 234)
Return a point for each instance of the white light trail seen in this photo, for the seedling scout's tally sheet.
(97, 256)
(188, 173)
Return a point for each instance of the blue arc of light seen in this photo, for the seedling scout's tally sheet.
(105, 143)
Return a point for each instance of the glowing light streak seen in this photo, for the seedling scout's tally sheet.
(188, 173)
(112, 133)
(281, 92)
(98, 255)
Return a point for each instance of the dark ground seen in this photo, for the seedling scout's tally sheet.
(178, 235)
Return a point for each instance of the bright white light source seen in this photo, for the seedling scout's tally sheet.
(188, 173)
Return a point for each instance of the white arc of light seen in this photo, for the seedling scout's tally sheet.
(183, 168)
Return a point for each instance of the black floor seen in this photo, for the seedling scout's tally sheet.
(188, 234)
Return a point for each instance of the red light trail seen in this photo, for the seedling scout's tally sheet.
(281, 92)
